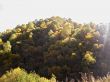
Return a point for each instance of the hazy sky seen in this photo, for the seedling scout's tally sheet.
(14, 12)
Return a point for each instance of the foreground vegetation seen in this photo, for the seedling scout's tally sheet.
(56, 46)
(20, 75)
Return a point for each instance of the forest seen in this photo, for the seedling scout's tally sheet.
(51, 49)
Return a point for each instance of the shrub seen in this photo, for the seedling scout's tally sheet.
(20, 75)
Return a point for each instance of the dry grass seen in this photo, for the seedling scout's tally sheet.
(90, 78)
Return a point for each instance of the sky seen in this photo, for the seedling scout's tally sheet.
(17, 12)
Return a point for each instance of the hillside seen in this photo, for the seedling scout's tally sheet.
(56, 46)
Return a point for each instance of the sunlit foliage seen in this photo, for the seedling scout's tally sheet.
(20, 75)
(54, 46)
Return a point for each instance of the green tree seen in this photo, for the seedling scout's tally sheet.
(7, 47)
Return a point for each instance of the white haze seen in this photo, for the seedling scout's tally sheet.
(14, 12)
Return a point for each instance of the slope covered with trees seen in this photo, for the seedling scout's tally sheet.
(56, 46)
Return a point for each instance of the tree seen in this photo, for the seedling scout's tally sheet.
(13, 36)
(7, 47)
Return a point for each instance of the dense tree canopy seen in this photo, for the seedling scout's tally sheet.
(55, 46)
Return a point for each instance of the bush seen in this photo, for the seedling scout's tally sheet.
(20, 75)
